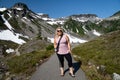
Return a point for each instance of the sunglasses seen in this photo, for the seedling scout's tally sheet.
(59, 30)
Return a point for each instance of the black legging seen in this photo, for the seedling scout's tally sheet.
(68, 58)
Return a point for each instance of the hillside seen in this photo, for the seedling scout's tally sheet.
(103, 51)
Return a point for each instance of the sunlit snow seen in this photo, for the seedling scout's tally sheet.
(72, 39)
(19, 9)
(9, 50)
(96, 33)
(8, 35)
(7, 23)
(2, 9)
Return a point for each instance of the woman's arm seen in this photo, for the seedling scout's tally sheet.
(55, 44)
(68, 42)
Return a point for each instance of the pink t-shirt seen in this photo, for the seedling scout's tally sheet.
(63, 46)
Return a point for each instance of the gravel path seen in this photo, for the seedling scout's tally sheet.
(50, 71)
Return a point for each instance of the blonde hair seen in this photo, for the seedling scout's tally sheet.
(59, 29)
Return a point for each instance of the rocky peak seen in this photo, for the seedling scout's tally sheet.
(84, 15)
(43, 15)
(20, 9)
(20, 6)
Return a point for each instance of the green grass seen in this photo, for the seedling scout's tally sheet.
(104, 50)
(26, 63)
(74, 26)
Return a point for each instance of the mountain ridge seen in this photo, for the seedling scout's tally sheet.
(24, 25)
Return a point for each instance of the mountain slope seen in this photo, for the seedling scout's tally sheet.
(19, 24)
(19, 19)
(104, 51)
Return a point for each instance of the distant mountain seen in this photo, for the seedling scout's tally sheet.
(76, 24)
(117, 14)
(80, 18)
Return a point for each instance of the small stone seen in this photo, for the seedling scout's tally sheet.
(116, 76)
(7, 73)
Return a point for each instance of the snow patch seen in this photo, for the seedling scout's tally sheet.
(51, 39)
(26, 18)
(9, 15)
(96, 33)
(40, 14)
(19, 9)
(75, 39)
(10, 50)
(84, 29)
(8, 35)
(7, 23)
(45, 19)
(2, 9)
(77, 30)
(72, 39)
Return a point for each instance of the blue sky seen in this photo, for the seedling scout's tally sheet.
(63, 8)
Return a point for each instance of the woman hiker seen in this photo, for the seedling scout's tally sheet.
(63, 49)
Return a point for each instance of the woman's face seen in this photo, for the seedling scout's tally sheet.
(59, 32)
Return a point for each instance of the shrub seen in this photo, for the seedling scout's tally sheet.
(50, 47)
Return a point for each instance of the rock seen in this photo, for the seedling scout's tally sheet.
(101, 69)
(1, 76)
(7, 73)
(116, 76)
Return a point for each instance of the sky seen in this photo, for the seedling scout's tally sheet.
(64, 8)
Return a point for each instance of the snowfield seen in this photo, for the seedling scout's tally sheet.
(8, 35)
(96, 33)
(10, 50)
(72, 39)
(2, 9)
(7, 23)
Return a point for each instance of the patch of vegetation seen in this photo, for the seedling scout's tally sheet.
(93, 26)
(6, 16)
(2, 25)
(26, 63)
(50, 47)
(74, 26)
(110, 26)
(39, 37)
(9, 44)
(104, 50)
(54, 26)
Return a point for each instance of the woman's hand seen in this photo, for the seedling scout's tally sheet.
(69, 51)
